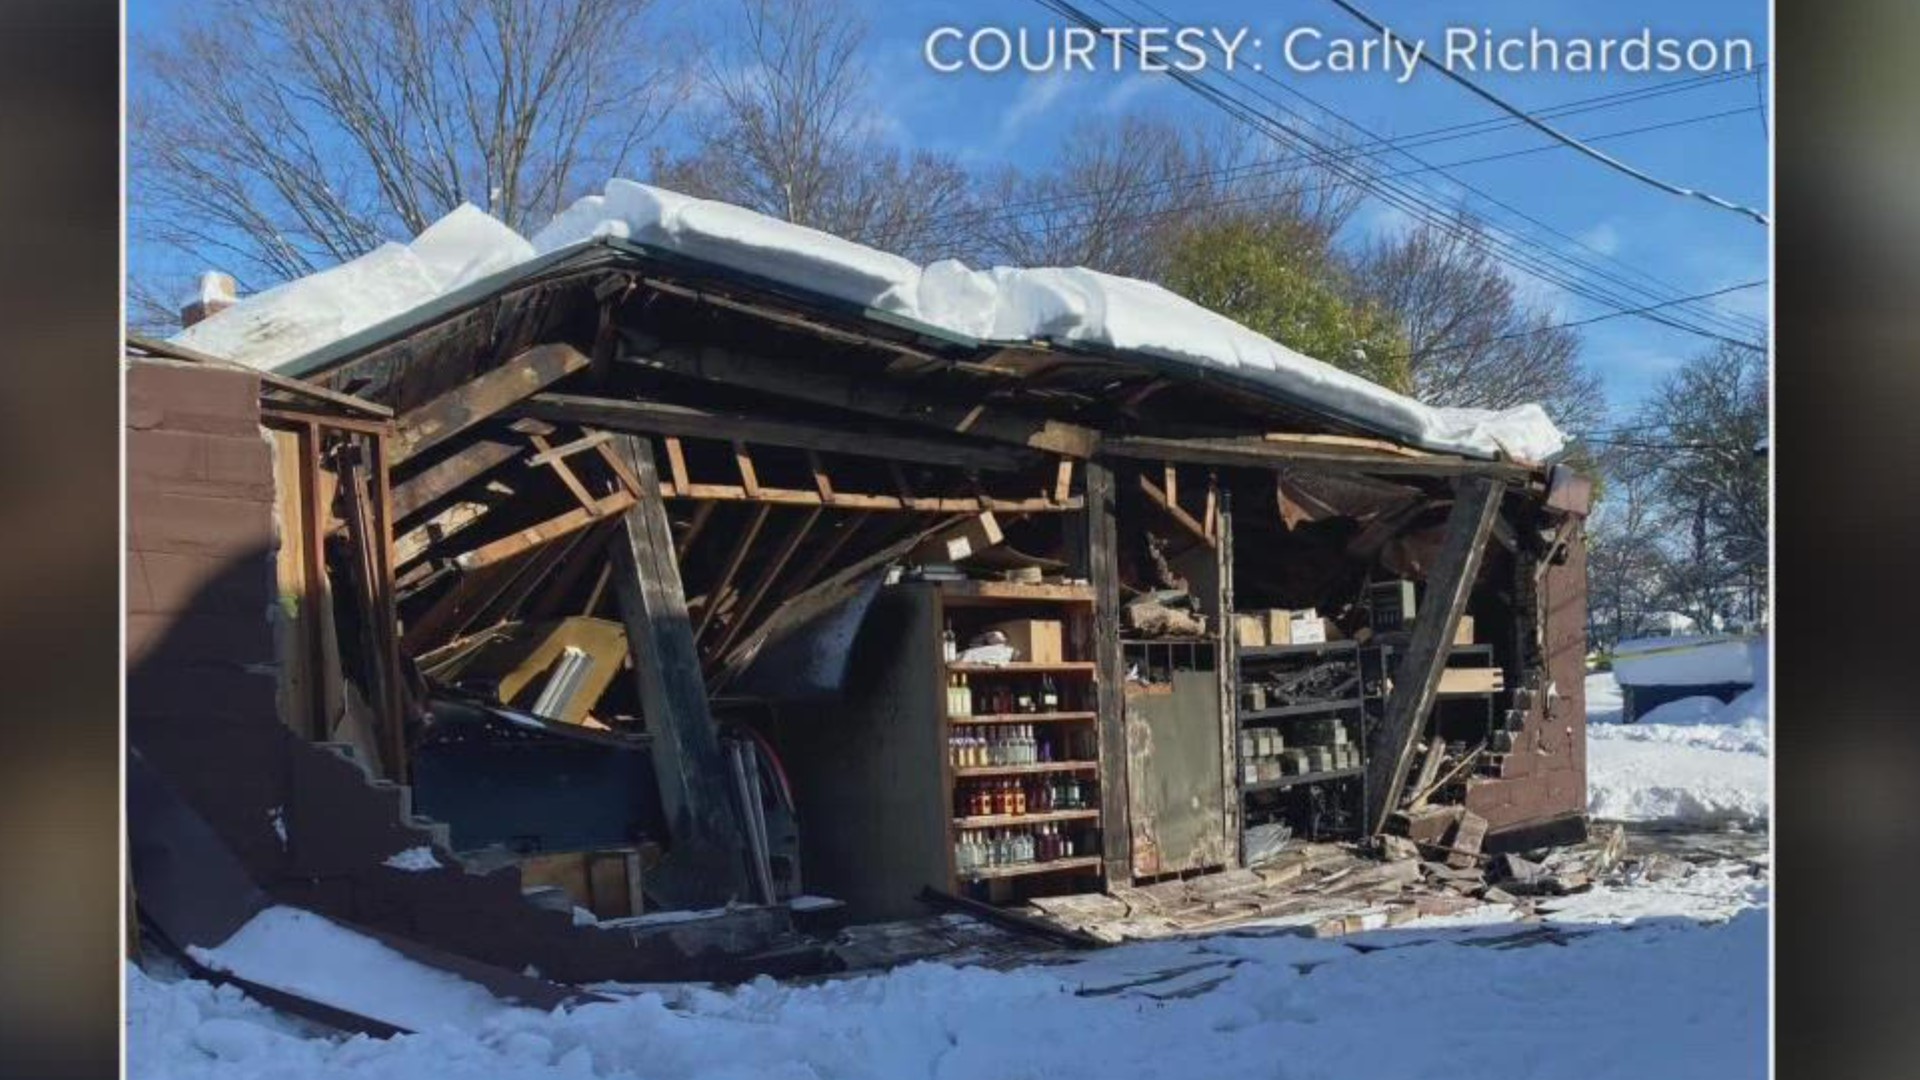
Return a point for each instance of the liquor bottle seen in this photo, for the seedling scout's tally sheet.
(1019, 798)
(949, 645)
(1049, 695)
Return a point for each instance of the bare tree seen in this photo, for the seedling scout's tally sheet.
(788, 129)
(1123, 192)
(277, 137)
(1471, 339)
(1625, 561)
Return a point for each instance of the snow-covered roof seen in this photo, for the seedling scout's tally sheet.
(1703, 660)
(1005, 305)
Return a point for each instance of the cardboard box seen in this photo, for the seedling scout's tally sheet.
(1277, 624)
(1250, 631)
(1471, 680)
(1035, 641)
(1463, 634)
(1307, 629)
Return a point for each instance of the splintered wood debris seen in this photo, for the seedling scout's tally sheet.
(1335, 889)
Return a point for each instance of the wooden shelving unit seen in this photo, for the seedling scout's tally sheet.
(1072, 605)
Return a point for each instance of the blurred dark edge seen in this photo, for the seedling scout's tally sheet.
(60, 904)
(1848, 523)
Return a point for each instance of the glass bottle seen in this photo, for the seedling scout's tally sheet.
(949, 645)
(1049, 695)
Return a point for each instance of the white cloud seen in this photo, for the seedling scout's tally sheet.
(1603, 238)
(1038, 94)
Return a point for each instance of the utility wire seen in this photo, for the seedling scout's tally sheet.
(1604, 158)
(1584, 322)
(1527, 262)
(1379, 146)
(1497, 240)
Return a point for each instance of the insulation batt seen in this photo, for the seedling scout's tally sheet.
(1002, 304)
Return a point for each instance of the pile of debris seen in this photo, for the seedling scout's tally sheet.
(1335, 889)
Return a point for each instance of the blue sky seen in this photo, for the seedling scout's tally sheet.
(1689, 246)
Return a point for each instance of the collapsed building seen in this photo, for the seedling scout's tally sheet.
(494, 598)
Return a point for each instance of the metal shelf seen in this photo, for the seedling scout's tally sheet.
(1307, 709)
(1304, 778)
(1262, 652)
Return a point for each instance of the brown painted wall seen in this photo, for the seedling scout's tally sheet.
(1545, 777)
(202, 693)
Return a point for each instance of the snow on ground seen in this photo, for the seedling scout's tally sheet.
(1693, 761)
(297, 951)
(1067, 304)
(1662, 979)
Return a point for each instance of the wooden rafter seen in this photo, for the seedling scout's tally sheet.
(869, 396)
(558, 462)
(743, 616)
(680, 421)
(693, 530)
(485, 395)
(732, 568)
(552, 529)
(843, 500)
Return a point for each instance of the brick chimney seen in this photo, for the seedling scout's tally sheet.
(217, 292)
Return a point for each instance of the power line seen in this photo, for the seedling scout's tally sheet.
(1434, 136)
(1524, 260)
(1589, 321)
(975, 216)
(1496, 240)
(1605, 159)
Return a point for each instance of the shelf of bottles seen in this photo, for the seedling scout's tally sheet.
(1023, 750)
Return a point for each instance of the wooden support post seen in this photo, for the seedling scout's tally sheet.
(708, 862)
(1416, 680)
(1227, 654)
(1103, 570)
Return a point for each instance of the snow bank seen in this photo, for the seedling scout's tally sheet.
(1693, 995)
(302, 953)
(1691, 761)
(1687, 661)
(1067, 304)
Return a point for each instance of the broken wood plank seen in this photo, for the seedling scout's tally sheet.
(1163, 501)
(526, 539)
(821, 482)
(443, 478)
(1416, 681)
(732, 567)
(742, 617)
(486, 395)
(694, 528)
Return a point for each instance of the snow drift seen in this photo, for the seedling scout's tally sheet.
(1695, 761)
(1005, 304)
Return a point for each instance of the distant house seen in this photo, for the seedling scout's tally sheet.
(1654, 671)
